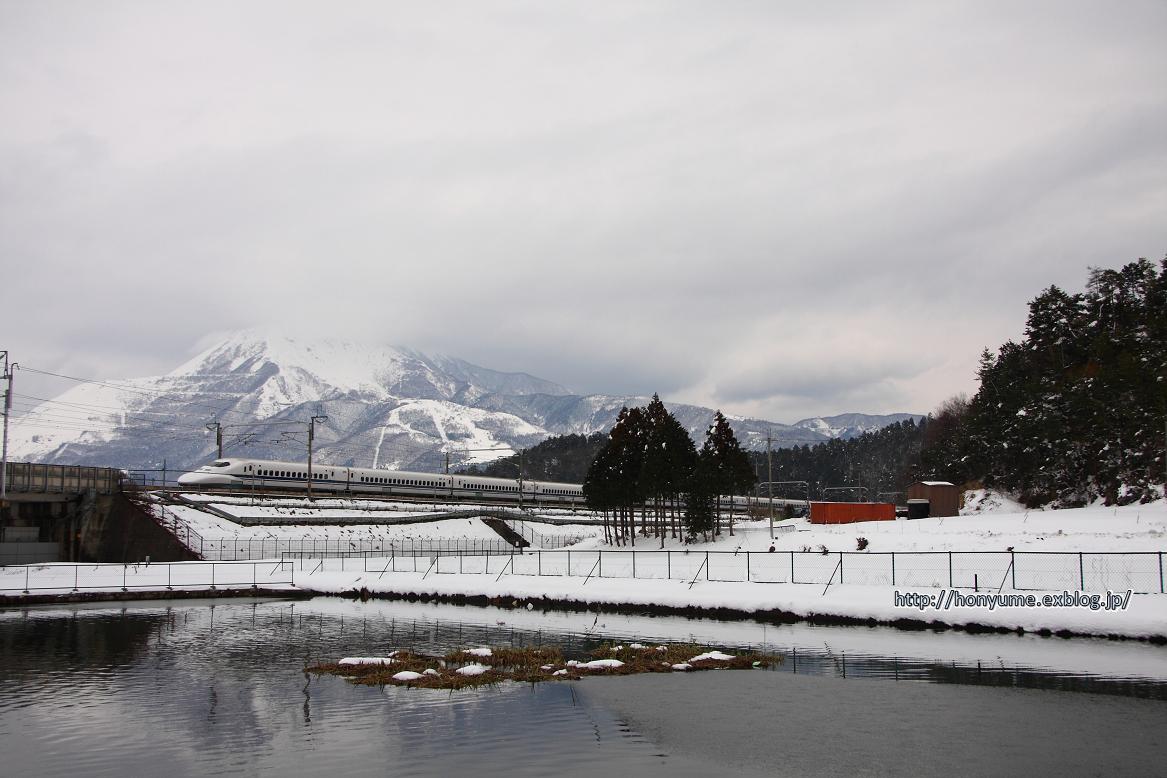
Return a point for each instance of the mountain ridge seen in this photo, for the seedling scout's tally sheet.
(387, 406)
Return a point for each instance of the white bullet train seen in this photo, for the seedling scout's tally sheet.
(267, 474)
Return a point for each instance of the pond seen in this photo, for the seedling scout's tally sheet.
(189, 688)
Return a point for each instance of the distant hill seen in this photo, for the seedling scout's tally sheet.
(387, 406)
(852, 425)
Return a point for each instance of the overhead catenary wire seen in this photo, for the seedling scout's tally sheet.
(146, 392)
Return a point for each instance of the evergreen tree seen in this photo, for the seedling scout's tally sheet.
(730, 471)
(1076, 410)
(700, 492)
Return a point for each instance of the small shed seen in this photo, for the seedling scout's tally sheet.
(943, 498)
(849, 512)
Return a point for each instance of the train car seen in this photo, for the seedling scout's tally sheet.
(270, 474)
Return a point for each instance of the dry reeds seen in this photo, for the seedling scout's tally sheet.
(534, 665)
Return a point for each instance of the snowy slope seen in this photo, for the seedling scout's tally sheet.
(387, 406)
(852, 425)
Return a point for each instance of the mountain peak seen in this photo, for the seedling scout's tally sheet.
(386, 406)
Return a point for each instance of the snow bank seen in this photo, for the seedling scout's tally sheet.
(472, 669)
(1145, 615)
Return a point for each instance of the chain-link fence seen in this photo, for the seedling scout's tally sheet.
(157, 576)
(1045, 571)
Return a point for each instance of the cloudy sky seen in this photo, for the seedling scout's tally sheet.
(782, 209)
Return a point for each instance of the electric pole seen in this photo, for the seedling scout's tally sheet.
(311, 436)
(770, 480)
(218, 428)
(7, 376)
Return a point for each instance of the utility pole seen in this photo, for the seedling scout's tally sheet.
(218, 428)
(770, 479)
(522, 453)
(311, 436)
(7, 376)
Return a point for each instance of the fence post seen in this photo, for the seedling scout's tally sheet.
(1013, 568)
(669, 563)
(841, 568)
(1081, 574)
(1161, 573)
(600, 564)
(633, 564)
(124, 569)
(747, 567)
(949, 569)
(893, 568)
(569, 562)
(254, 582)
(539, 557)
(212, 575)
(791, 567)
(706, 565)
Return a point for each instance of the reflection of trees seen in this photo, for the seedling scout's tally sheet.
(78, 641)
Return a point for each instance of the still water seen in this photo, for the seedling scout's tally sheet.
(188, 688)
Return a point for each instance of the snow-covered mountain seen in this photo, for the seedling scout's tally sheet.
(387, 407)
(852, 425)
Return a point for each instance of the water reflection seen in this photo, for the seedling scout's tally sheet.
(219, 689)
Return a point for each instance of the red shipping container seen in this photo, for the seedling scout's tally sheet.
(850, 512)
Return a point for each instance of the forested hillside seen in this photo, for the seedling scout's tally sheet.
(1078, 409)
(559, 458)
(882, 463)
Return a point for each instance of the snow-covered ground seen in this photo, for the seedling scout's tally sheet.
(1145, 614)
(1120, 548)
(384, 522)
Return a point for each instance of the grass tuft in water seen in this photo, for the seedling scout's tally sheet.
(536, 665)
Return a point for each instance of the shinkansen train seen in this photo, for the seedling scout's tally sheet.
(262, 474)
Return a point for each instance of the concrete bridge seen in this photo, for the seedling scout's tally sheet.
(73, 513)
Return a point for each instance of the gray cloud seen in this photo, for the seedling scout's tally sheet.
(783, 211)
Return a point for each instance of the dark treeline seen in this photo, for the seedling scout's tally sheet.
(563, 458)
(649, 466)
(883, 462)
(1078, 409)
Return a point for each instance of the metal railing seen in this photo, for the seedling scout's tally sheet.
(542, 540)
(1141, 572)
(178, 527)
(243, 549)
(61, 479)
(159, 576)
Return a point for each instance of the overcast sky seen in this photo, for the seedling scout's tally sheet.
(782, 209)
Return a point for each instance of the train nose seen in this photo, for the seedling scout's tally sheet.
(201, 479)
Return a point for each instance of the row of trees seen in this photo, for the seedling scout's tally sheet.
(649, 465)
(883, 462)
(1077, 410)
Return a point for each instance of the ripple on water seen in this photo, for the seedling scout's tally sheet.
(191, 690)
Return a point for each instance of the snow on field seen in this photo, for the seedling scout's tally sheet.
(213, 527)
(1145, 615)
(988, 501)
(385, 520)
(1128, 528)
